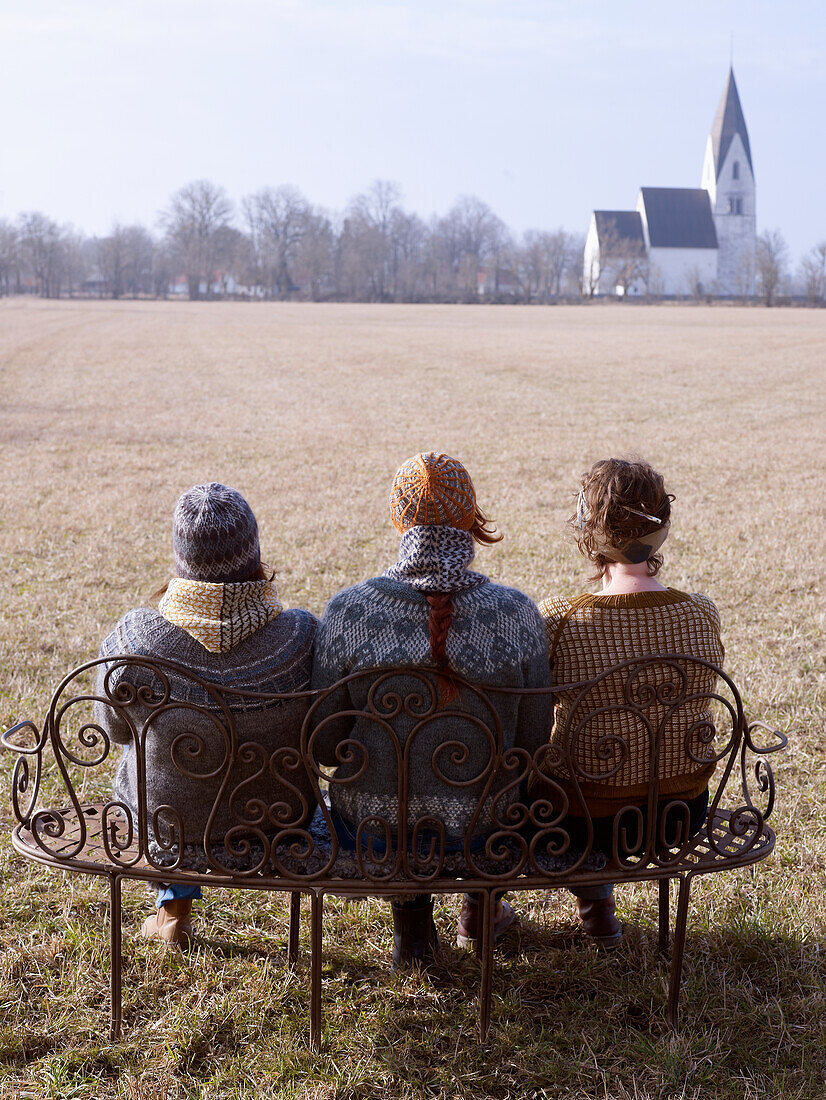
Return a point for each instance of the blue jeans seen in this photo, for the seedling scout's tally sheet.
(176, 890)
(346, 835)
(603, 827)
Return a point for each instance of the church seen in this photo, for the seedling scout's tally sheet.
(684, 240)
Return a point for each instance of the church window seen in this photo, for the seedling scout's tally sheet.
(735, 172)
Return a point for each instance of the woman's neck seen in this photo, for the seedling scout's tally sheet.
(620, 579)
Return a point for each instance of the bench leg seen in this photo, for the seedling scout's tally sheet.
(295, 916)
(115, 956)
(665, 890)
(679, 951)
(487, 911)
(316, 915)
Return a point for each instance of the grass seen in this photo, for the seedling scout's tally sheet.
(109, 410)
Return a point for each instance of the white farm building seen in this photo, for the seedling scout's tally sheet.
(684, 240)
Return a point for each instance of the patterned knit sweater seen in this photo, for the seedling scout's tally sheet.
(496, 637)
(275, 658)
(590, 633)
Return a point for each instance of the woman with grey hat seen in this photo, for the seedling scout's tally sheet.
(221, 620)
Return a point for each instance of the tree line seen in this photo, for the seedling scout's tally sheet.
(275, 244)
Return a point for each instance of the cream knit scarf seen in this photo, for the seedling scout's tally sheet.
(219, 616)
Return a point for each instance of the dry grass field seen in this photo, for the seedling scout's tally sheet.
(109, 410)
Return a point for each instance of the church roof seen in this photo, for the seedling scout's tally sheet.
(679, 217)
(620, 227)
(729, 121)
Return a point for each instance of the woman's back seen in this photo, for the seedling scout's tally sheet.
(591, 633)
(496, 638)
(186, 752)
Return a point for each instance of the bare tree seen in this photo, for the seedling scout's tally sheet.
(9, 258)
(277, 220)
(744, 269)
(163, 269)
(366, 241)
(771, 260)
(408, 237)
(546, 260)
(112, 260)
(694, 284)
(572, 279)
(194, 221)
(622, 260)
(813, 274)
(315, 257)
(72, 259)
(41, 246)
(472, 235)
(140, 250)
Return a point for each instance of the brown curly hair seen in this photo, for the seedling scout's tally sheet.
(615, 489)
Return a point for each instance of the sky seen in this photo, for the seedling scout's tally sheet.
(546, 109)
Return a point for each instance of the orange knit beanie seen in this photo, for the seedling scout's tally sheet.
(432, 489)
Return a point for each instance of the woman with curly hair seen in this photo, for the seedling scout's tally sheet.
(622, 519)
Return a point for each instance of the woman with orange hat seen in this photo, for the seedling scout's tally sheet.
(429, 609)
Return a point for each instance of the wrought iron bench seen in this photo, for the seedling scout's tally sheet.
(282, 836)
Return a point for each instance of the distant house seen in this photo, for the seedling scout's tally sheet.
(223, 283)
(684, 240)
(493, 282)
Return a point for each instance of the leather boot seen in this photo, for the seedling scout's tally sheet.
(415, 940)
(171, 923)
(467, 930)
(599, 922)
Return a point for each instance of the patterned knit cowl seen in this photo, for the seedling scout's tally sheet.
(220, 616)
(436, 559)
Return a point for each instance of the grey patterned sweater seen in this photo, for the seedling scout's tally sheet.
(497, 637)
(276, 658)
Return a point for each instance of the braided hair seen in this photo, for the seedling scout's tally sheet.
(441, 616)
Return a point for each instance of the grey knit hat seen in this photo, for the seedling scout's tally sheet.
(215, 535)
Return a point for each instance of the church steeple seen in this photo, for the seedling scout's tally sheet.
(728, 123)
(728, 176)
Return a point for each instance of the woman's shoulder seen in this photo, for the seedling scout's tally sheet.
(707, 607)
(513, 600)
(296, 618)
(370, 595)
(143, 631)
(554, 608)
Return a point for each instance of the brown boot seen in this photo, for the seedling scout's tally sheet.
(599, 922)
(467, 930)
(415, 939)
(171, 923)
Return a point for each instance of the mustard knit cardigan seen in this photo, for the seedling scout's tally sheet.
(588, 634)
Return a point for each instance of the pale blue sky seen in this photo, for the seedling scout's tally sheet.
(544, 109)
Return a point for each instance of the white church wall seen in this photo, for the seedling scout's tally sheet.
(590, 261)
(682, 270)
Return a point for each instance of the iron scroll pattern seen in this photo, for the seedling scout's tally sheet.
(433, 791)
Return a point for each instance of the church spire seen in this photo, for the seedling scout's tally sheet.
(728, 122)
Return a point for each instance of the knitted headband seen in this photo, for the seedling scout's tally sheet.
(434, 490)
(215, 535)
(632, 552)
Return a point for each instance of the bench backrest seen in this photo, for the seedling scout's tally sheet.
(381, 779)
